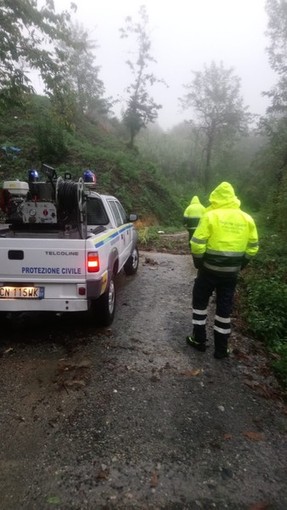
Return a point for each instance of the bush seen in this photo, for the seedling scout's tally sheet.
(263, 300)
(280, 365)
(267, 305)
(50, 138)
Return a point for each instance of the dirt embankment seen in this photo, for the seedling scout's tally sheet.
(130, 418)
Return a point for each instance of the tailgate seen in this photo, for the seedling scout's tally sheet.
(40, 260)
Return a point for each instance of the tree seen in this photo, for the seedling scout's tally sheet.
(277, 31)
(275, 123)
(214, 95)
(177, 153)
(277, 52)
(79, 73)
(26, 41)
(141, 108)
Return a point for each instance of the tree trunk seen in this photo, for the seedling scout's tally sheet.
(130, 145)
(207, 163)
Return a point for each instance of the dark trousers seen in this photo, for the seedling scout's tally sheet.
(204, 285)
(190, 233)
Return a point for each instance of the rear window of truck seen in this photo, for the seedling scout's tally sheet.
(96, 213)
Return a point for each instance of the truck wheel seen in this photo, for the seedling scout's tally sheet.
(105, 305)
(132, 264)
(3, 319)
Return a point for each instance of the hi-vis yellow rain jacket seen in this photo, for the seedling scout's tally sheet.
(226, 237)
(193, 212)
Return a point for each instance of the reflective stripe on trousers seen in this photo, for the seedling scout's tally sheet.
(204, 285)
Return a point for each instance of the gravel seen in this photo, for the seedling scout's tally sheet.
(130, 417)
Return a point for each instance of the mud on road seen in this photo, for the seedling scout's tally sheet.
(130, 417)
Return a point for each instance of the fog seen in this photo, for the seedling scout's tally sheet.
(185, 35)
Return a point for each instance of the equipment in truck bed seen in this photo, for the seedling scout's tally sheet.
(56, 203)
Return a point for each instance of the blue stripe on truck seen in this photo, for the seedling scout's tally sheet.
(105, 239)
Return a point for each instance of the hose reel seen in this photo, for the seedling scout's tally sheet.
(71, 204)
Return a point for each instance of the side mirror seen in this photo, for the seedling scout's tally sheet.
(133, 217)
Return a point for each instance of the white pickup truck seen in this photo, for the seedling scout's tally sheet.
(61, 248)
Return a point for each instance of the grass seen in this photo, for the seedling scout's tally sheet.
(263, 300)
(138, 183)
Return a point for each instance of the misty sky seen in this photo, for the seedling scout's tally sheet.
(185, 35)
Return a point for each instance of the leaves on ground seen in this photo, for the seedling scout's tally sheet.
(263, 389)
(103, 473)
(254, 436)
(192, 373)
(260, 506)
(154, 479)
(54, 500)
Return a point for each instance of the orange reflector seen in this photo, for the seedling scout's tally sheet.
(93, 262)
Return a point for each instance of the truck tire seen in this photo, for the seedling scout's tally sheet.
(132, 264)
(105, 305)
(3, 319)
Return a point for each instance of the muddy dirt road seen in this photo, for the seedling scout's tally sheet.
(130, 417)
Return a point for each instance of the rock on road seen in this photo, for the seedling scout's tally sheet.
(130, 417)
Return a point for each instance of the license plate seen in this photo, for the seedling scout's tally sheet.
(8, 292)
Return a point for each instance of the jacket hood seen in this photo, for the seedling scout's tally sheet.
(223, 196)
(195, 200)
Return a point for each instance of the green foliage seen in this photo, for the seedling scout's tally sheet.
(162, 238)
(77, 88)
(50, 138)
(146, 235)
(267, 305)
(278, 206)
(177, 152)
(277, 52)
(126, 174)
(214, 96)
(26, 36)
(274, 125)
(141, 108)
(263, 298)
(280, 364)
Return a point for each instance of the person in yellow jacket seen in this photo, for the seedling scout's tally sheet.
(192, 215)
(223, 243)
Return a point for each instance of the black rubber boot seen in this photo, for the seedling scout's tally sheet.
(221, 355)
(220, 346)
(199, 346)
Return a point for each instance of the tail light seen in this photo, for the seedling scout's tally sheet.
(93, 262)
